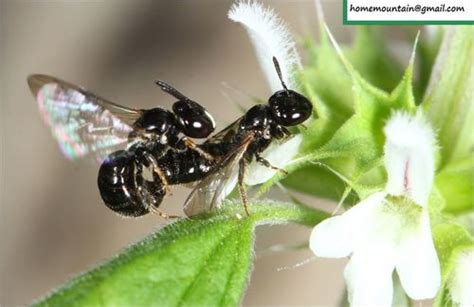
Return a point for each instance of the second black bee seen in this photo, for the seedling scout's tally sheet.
(134, 181)
(128, 142)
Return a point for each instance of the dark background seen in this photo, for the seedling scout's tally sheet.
(53, 224)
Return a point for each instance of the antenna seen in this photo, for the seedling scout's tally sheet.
(277, 67)
(165, 87)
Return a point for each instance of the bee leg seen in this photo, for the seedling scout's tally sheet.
(243, 192)
(267, 163)
(163, 215)
(191, 145)
(157, 170)
(281, 133)
(286, 132)
(166, 186)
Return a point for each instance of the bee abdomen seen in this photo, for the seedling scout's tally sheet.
(123, 187)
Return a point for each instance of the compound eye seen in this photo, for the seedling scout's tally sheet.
(194, 120)
(290, 108)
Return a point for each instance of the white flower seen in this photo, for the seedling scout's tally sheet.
(461, 282)
(409, 157)
(389, 229)
(279, 155)
(271, 38)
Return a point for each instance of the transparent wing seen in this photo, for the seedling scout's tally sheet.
(212, 190)
(225, 134)
(82, 123)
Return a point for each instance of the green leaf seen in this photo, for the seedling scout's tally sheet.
(329, 85)
(326, 76)
(189, 262)
(428, 48)
(319, 181)
(372, 59)
(322, 82)
(449, 103)
(450, 240)
(450, 95)
(455, 184)
(360, 139)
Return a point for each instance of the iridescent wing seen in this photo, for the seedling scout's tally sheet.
(212, 190)
(82, 123)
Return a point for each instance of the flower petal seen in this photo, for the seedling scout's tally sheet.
(369, 276)
(336, 237)
(278, 155)
(417, 262)
(270, 38)
(409, 156)
(462, 280)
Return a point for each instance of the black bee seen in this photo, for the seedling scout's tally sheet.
(128, 142)
(237, 145)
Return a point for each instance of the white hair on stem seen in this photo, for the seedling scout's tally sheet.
(271, 38)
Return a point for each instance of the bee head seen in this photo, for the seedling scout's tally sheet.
(192, 119)
(289, 108)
